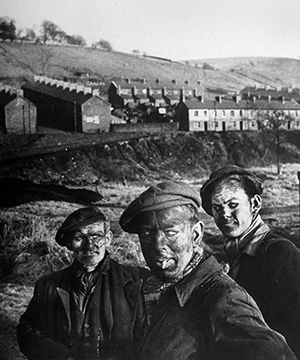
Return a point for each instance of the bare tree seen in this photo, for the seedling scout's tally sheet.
(49, 30)
(271, 123)
(45, 55)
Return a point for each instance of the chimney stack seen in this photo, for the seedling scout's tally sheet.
(157, 81)
(79, 88)
(174, 81)
(95, 92)
(195, 92)
(87, 90)
(72, 86)
(201, 98)
(66, 85)
(219, 99)
(20, 92)
(144, 81)
(236, 98)
(127, 80)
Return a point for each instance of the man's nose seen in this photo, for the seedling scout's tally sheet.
(226, 211)
(88, 242)
(159, 239)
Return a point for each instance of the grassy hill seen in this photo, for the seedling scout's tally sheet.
(20, 61)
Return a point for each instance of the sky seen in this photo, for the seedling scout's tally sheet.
(175, 29)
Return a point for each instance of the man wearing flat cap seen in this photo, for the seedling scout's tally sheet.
(195, 310)
(90, 310)
(266, 264)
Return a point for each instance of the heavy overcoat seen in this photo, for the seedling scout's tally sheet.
(207, 315)
(272, 277)
(114, 319)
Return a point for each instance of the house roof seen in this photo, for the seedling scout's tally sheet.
(58, 92)
(228, 104)
(6, 97)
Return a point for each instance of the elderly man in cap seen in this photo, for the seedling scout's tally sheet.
(90, 310)
(264, 263)
(196, 311)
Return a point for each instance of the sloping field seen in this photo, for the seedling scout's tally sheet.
(19, 61)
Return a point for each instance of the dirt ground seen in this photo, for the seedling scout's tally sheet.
(281, 210)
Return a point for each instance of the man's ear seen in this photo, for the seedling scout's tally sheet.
(256, 202)
(198, 231)
(68, 245)
(108, 238)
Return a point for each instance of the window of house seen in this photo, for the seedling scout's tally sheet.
(216, 113)
(232, 112)
(251, 112)
(196, 113)
(205, 113)
(241, 112)
(296, 113)
(223, 113)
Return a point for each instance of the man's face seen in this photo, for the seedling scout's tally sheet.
(89, 243)
(167, 238)
(232, 209)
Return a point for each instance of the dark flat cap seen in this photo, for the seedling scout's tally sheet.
(208, 186)
(78, 219)
(161, 196)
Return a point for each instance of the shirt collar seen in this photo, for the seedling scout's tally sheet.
(185, 287)
(249, 242)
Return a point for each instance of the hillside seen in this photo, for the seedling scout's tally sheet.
(20, 61)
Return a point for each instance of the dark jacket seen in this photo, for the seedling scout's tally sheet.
(207, 315)
(272, 277)
(111, 329)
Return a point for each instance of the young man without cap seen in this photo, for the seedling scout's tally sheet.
(265, 264)
(90, 310)
(196, 311)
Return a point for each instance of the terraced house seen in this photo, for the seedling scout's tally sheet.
(69, 107)
(227, 114)
(153, 92)
(17, 114)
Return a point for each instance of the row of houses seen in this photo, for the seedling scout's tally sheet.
(69, 106)
(225, 114)
(158, 93)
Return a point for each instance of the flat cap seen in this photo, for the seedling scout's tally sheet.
(78, 219)
(208, 186)
(161, 196)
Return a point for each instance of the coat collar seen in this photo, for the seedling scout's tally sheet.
(206, 269)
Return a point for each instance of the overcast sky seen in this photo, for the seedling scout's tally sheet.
(177, 29)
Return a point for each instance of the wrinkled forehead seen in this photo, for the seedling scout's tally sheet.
(228, 188)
